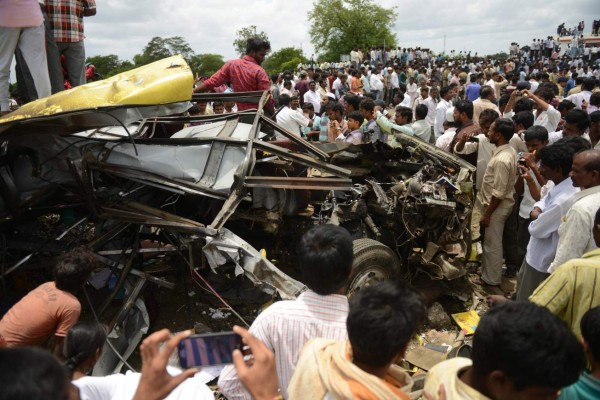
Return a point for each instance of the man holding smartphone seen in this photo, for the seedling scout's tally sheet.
(325, 257)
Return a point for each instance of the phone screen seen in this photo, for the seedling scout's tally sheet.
(208, 349)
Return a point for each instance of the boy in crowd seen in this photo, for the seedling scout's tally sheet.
(421, 127)
(354, 134)
(403, 119)
(51, 308)
(218, 107)
(520, 351)
(367, 108)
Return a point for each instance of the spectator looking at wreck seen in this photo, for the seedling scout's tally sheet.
(51, 309)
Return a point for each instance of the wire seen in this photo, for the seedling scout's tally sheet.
(87, 296)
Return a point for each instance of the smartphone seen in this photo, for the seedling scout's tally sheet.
(208, 349)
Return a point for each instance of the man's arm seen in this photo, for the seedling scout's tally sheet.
(217, 79)
(386, 125)
(59, 342)
(487, 215)
(574, 237)
(546, 223)
(89, 8)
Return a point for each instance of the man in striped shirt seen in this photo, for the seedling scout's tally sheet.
(325, 257)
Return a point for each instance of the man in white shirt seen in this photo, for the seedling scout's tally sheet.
(376, 84)
(586, 91)
(576, 124)
(311, 96)
(547, 116)
(575, 231)
(291, 120)
(325, 257)
(420, 127)
(546, 216)
(446, 93)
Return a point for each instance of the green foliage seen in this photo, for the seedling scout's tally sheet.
(337, 26)
(159, 48)
(206, 64)
(498, 56)
(109, 65)
(281, 59)
(242, 36)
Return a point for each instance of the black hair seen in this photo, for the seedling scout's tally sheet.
(353, 100)
(325, 256)
(574, 144)
(274, 78)
(488, 115)
(588, 84)
(308, 106)
(257, 44)
(505, 127)
(367, 104)
(217, 104)
(421, 111)
(595, 116)
(465, 106)
(444, 91)
(32, 374)
(284, 99)
(595, 100)
(557, 156)
(597, 222)
(565, 105)
(503, 100)
(513, 331)
(335, 107)
(536, 132)
(381, 321)
(405, 112)
(523, 105)
(486, 92)
(545, 93)
(590, 322)
(526, 119)
(74, 268)
(82, 341)
(578, 117)
(357, 116)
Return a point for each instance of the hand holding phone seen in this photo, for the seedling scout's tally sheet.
(208, 349)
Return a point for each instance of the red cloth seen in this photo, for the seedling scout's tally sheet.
(245, 75)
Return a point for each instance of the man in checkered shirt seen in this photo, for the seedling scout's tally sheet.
(66, 20)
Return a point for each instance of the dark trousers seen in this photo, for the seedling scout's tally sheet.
(522, 238)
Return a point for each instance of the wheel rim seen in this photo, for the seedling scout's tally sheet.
(366, 278)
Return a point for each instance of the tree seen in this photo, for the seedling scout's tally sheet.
(206, 64)
(242, 36)
(274, 63)
(109, 65)
(337, 26)
(159, 48)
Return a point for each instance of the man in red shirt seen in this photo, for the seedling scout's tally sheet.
(245, 74)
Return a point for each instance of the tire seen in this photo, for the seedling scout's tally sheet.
(373, 262)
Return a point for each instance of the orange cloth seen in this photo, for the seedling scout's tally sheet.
(44, 311)
(325, 368)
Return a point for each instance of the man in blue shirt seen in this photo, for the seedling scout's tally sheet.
(473, 89)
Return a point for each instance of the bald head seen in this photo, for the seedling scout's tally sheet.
(586, 169)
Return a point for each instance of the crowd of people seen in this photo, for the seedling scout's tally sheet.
(529, 125)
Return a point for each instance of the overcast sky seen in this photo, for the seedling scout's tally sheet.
(124, 27)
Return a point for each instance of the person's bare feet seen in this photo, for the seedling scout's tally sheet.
(494, 299)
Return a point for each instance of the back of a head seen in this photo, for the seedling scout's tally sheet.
(257, 44)
(325, 255)
(526, 342)
(590, 325)
(74, 268)
(557, 156)
(523, 104)
(536, 132)
(381, 320)
(565, 105)
(83, 340)
(525, 119)
(421, 111)
(579, 118)
(367, 104)
(284, 99)
(487, 92)
(588, 84)
(574, 144)
(31, 374)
